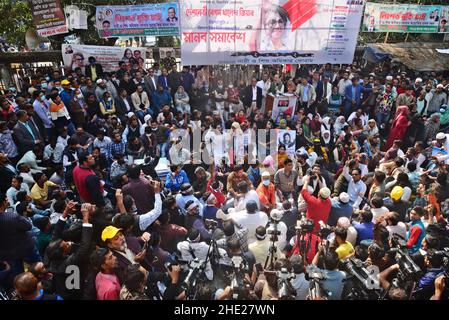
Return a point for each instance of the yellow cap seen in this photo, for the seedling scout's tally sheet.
(65, 82)
(109, 232)
(397, 193)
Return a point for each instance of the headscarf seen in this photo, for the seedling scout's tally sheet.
(402, 111)
(326, 140)
(338, 125)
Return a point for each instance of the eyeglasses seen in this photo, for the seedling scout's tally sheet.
(273, 22)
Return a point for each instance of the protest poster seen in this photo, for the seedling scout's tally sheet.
(48, 17)
(444, 21)
(160, 19)
(282, 106)
(77, 56)
(269, 31)
(287, 138)
(410, 18)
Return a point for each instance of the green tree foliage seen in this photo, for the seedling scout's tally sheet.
(16, 18)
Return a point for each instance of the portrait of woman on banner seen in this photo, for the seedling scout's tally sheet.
(273, 33)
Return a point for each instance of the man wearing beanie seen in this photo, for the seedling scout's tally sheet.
(251, 218)
(318, 209)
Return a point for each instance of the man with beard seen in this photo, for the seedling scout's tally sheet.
(87, 183)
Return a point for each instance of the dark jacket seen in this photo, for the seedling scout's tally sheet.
(23, 138)
(79, 257)
(120, 106)
(248, 98)
(98, 69)
(150, 86)
(15, 241)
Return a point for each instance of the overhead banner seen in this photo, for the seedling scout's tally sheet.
(142, 20)
(48, 17)
(269, 31)
(78, 55)
(405, 18)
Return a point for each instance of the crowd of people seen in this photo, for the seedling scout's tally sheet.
(102, 198)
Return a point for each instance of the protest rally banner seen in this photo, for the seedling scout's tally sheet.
(411, 18)
(159, 19)
(283, 105)
(77, 56)
(48, 17)
(269, 31)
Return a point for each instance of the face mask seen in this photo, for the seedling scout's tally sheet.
(44, 85)
(47, 78)
(266, 183)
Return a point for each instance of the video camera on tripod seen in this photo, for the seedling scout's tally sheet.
(237, 282)
(276, 216)
(285, 289)
(316, 290)
(365, 285)
(408, 269)
(191, 271)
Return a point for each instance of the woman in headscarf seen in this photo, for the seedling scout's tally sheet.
(399, 126)
(306, 129)
(339, 125)
(301, 140)
(182, 100)
(371, 129)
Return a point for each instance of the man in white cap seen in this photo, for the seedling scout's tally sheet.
(442, 141)
(438, 99)
(340, 208)
(101, 89)
(417, 87)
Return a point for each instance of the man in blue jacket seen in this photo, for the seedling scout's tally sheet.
(353, 96)
(176, 178)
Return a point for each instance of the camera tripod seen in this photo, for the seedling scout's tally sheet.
(272, 257)
(213, 254)
(304, 243)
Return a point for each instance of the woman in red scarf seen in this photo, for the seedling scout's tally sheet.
(399, 126)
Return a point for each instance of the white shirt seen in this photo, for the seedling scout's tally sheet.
(12, 193)
(254, 93)
(103, 145)
(57, 152)
(377, 212)
(400, 229)
(250, 221)
(30, 159)
(63, 140)
(251, 195)
(342, 86)
(356, 190)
